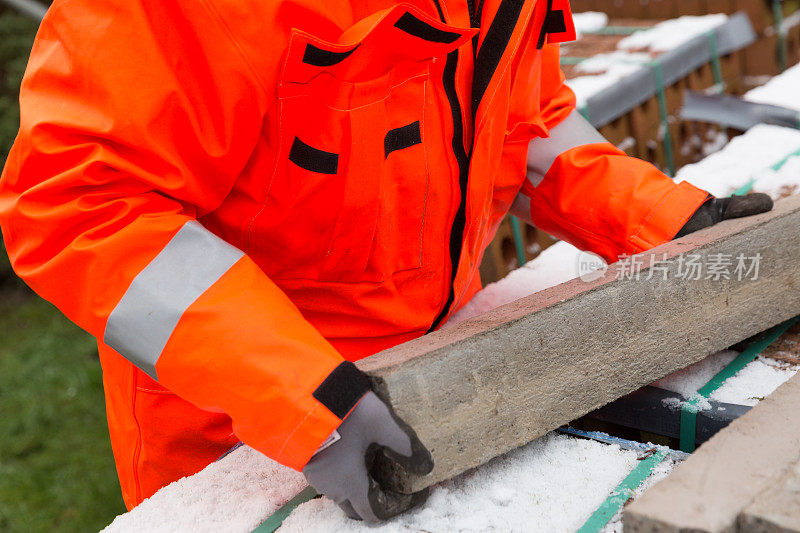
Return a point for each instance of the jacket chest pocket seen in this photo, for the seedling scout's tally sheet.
(351, 178)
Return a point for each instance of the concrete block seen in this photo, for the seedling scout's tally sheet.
(495, 382)
(708, 491)
(777, 509)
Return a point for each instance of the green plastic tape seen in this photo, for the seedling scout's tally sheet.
(662, 108)
(747, 187)
(519, 243)
(716, 66)
(690, 407)
(622, 493)
(276, 519)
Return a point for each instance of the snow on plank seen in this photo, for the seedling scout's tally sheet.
(709, 491)
(497, 381)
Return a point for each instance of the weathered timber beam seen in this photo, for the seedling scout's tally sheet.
(499, 380)
(748, 460)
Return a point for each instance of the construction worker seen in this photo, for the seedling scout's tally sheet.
(239, 199)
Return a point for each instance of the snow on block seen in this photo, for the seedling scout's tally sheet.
(499, 380)
(553, 484)
(750, 158)
(709, 491)
(781, 90)
(234, 494)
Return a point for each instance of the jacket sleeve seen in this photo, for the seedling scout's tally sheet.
(582, 189)
(137, 119)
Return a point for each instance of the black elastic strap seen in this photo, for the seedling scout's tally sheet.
(313, 159)
(342, 389)
(419, 28)
(403, 137)
(324, 58)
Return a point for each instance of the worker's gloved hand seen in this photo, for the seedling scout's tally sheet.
(342, 471)
(715, 210)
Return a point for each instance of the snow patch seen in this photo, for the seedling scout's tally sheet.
(557, 264)
(234, 494)
(606, 70)
(781, 182)
(782, 90)
(686, 382)
(670, 34)
(553, 484)
(589, 21)
(745, 158)
(754, 382)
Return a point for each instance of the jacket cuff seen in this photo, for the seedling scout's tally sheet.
(664, 221)
(335, 398)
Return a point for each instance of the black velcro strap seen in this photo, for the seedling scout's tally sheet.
(342, 389)
(494, 45)
(312, 159)
(324, 58)
(419, 28)
(543, 32)
(403, 137)
(554, 22)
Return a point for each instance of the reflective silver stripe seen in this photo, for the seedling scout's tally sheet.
(571, 132)
(143, 320)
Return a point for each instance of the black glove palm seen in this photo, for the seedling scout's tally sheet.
(715, 210)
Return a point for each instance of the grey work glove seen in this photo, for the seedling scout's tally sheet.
(342, 471)
(715, 210)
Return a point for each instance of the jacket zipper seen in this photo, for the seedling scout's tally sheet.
(457, 229)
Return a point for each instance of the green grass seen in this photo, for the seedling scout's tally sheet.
(56, 467)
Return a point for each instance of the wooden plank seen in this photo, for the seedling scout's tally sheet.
(777, 509)
(707, 492)
(493, 383)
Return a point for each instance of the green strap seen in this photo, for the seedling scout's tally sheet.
(622, 493)
(275, 520)
(617, 30)
(572, 60)
(519, 244)
(584, 110)
(662, 107)
(744, 189)
(777, 13)
(690, 407)
(747, 187)
(715, 63)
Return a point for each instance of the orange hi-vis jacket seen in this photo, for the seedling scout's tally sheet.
(236, 197)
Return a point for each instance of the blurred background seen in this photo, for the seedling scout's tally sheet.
(56, 468)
